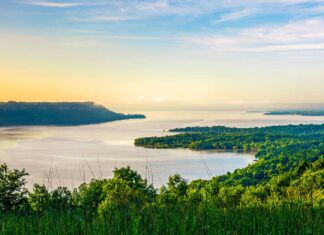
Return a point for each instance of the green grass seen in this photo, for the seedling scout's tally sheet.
(203, 219)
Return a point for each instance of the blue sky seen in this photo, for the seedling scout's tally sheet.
(164, 19)
(222, 44)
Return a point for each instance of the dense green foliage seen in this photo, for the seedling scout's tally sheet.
(282, 151)
(281, 193)
(63, 113)
(127, 204)
(12, 191)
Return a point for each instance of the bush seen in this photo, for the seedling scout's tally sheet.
(12, 189)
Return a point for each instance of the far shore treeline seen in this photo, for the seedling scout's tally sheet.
(281, 193)
(59, 113)
(319, 112)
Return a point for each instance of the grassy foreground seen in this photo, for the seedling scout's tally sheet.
(284, 219)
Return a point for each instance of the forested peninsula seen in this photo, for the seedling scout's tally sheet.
(282, 152)
(59, 114)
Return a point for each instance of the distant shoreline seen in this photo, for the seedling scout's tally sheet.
(315, 113)
(18, 114)
(297, 112)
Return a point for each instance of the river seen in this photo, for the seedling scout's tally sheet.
(68, 156)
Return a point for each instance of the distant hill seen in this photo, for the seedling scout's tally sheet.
(62, 113)
(297, 112)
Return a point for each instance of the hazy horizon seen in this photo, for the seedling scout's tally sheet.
(244, 107)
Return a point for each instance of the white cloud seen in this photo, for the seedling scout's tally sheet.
(290, 47)
(104, 18)
(153, 5)
(52, 4)
(235, 15)
(299, 35)
(299, 31)
(122, 10)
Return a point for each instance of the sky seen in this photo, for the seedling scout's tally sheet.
(163, 54)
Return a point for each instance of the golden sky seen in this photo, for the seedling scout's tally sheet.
(164, 57)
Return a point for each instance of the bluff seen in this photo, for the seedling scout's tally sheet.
(60, 113)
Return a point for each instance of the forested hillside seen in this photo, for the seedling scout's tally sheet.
(63, 113)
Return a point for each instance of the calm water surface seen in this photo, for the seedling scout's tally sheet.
(71, 155)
